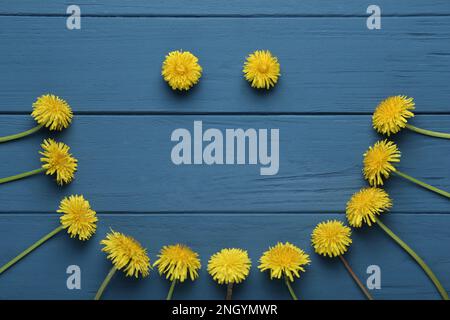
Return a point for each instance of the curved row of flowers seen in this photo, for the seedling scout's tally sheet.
(229, 266)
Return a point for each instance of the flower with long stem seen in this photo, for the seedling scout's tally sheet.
(392, 115)
(332, 238)
(284, 260)
(77, 218)
(126, 254)
(56, 160)
(379, 162)
(49, 111)
(261, 69)
(365, 206)
(177, 262)
(181, 70)
(229, 266)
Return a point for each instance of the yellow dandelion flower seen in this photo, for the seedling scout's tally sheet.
(181, 70)
(365, 205)
(284, 259)
(378, 161)
(127, 254)
(52, 112)
(78, 217)
(261, 69)
(177, 262)
(229, 266)
(331, 238)
(392, 114)
(57, 159)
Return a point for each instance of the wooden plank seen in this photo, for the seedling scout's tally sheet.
(230, 7)
(42, 275)
(125, 165)
(333, 65)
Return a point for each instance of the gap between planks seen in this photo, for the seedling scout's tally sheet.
(224, 16)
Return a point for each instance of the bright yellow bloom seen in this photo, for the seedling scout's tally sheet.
(331, 238)
(261, 69)
(52, 112)
(78, 217)
(365, 205)
(229, 266)
(284, 259)
(378, 161)
(127, 254)
(177, 261)
(391, 114)
(181, 70)
(57, 159)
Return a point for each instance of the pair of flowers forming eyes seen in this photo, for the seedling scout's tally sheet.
(182, 71)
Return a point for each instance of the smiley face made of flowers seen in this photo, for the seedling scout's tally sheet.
(77, 218)
(49, 111)
(56, 160)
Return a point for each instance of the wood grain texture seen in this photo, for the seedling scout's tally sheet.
(329, 65)
(334, 72)
(231, 7)
(42, 275)
(125, 165)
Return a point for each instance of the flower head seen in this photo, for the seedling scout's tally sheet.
(52, 112)
(284, 259)
(261, 69)
(391, 114)
(177, 262)
(57, 159)
(331, 238)
(78, 217)
(378, 161)
(181, 70)
(229, 266)
(366, 204)
(127, 254)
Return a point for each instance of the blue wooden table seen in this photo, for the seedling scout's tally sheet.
(334, 72)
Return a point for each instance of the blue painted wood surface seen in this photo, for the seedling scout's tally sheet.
(328, 65)
(334, 72)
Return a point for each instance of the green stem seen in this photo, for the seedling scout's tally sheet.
(423, 184)
(29, 249)
(20, 135)
(291, 291)
(229, 291)
(105, 283)
(419, 260)
(428, 132)
(355, 277)
(172, 286)
(21, 175)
